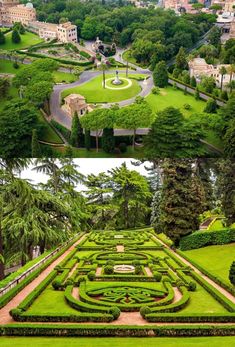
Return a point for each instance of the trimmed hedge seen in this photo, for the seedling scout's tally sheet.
(118, 330)
(192, 318)
(207, 238)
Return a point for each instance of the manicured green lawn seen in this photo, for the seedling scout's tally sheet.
(51, 301)
(95, 93)
(64, 77)
(49, 135)
(207, 303)
(225, 341)
(217, 225)
(28, 39)
(216, 259)
(175, 97)
(6, 66)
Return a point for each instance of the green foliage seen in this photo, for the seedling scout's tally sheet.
(232, 273)
(181, 61)
(160, 75)
(87, 139)
(108, 140)
(36, 150)
(206, 238)
(211, 106)
(229, 139)
(2, 38)
(76, 137)
(108, 269)
(15, 36)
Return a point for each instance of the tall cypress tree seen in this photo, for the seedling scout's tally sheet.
(226, 183)
(15, 36)
(87, 139)
(180, 60)
(108, 140)
(76, 137)
(35, 149)
(181, 199)
(2, 38)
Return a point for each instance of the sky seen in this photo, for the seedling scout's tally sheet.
(88, 166)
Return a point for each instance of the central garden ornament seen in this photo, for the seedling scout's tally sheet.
(124, 268)
(117, 81)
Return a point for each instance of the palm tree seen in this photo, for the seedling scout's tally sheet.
(103, 67)
(222, 72)
(231, 71)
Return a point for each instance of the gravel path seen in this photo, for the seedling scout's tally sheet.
(5, 317)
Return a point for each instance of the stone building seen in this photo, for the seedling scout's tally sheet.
(12, 11)
(65, 32)
(75, 103)
(198, 67)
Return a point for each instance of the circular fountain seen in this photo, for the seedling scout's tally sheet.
(124, 268)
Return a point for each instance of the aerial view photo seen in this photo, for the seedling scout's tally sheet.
(117, 173)
(104, 79)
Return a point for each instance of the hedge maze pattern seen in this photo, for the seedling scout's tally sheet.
(85, 287)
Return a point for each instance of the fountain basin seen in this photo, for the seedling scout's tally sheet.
(124, 268)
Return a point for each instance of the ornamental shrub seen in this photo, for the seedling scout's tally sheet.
(57, 285)
(192, 286)
(144, 310)
(80, 279)
(110, 262)
(91, 275)
(232, 273)
(115, 311)
(157, 276)
(108, 269)
(138, 270)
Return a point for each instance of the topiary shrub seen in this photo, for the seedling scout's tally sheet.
(187, 107)
(115, 311)
(232, 273)
(192, 286)
(80, 279)
(57, 285)
(91, 275)
(138, 270)
(157, 276)
(108, 269)
(144, 310)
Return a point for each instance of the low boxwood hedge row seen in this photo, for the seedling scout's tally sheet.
(118, 330)
(226, 303)
(207, 238)
(84, 307)
(193, 318)
(214, 278)
(174, 307)
(9, 295)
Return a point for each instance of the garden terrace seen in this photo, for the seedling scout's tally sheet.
(84, 288)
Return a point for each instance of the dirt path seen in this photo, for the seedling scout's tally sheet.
(148, 271)
(5, 317)
(215, 285)
(120, 248)
(177, 295)
(98, 271)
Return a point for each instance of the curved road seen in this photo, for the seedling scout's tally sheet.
(55, 101)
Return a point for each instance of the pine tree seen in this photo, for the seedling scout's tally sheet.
(160, 75)
(76, 137)
(68, 152)
(181, 61)
(180, 203)
(232, 273)
(2, 38)
(35, 149)
(15, 37)
(87, 139)
(108, 140)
